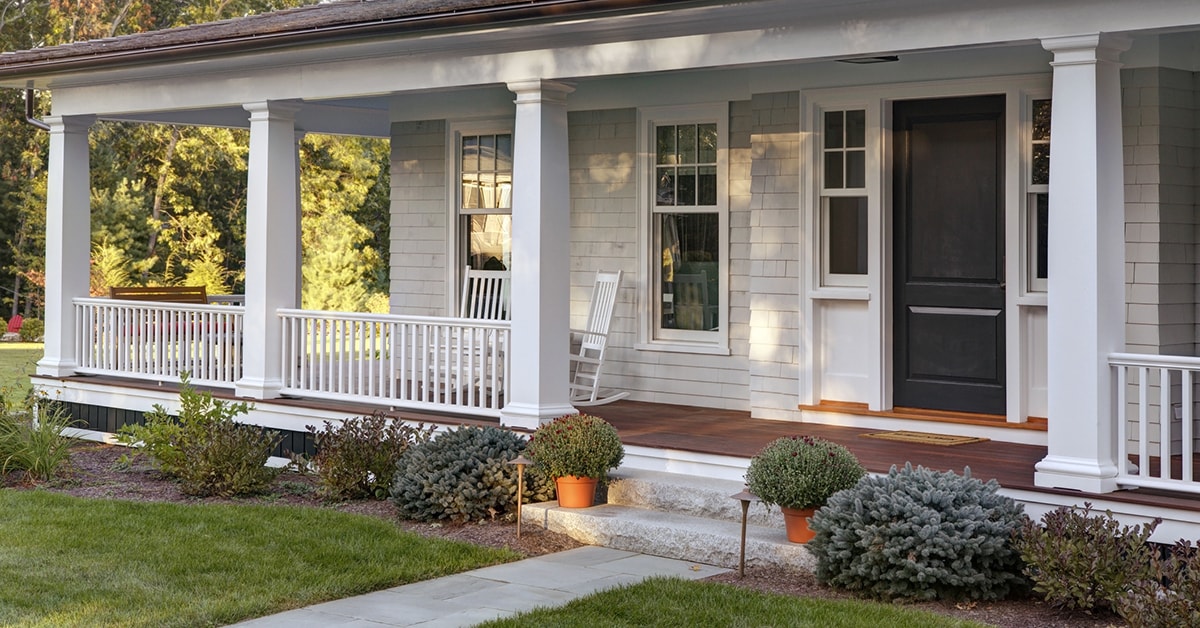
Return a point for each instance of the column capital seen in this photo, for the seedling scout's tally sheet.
(272, 110)
(540, 90)
(69, 124)
(1089, 48)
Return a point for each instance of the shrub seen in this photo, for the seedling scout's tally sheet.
(577, 444)
(204, 447)
(32, 441)
(802, 471)
(1081, 562)
(32, 330)
(1170, 597)
(357, 457)
(464, 475)
(919, 534)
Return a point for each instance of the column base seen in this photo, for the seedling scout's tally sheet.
(51, 367)
(257, 388)
(1081, 474)
(529, 416)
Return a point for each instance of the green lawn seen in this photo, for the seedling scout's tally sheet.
(67, 561)
(17, 362)
(674, 602)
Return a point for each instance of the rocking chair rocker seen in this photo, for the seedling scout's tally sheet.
(587, 362)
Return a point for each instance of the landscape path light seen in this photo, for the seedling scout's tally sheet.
(745, 497)
(521, 461)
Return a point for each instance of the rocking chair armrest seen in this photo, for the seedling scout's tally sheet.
(584, 332)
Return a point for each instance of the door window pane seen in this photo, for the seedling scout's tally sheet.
(846, 218)
(845, 140)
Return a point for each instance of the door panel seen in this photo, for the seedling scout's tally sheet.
(949, 254)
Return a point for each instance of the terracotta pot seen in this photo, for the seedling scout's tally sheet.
(575, 492)
(796, 522)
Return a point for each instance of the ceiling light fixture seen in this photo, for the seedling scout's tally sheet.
(870, 60)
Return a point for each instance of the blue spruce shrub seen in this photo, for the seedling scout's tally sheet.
(919, 535)
(463, 475)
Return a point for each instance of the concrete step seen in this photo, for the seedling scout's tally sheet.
(689, 495)
(670, 534)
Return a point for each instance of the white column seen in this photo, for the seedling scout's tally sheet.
(68, 239)
(272, 230)
(541, 219)
(1086, 295)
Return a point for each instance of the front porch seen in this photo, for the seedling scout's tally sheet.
(694, 441)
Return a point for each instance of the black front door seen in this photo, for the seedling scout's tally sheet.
(948, 203)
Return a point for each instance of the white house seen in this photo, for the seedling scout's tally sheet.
(882, 213)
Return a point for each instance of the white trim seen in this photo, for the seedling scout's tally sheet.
(877, 99)
(650, 338)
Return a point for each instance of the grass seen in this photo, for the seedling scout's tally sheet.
(17, 362)
(67, 561)
(675, 602)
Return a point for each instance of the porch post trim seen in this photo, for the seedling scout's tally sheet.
(68, 239)
(1085, 295)
(541, 233)
(272, 230)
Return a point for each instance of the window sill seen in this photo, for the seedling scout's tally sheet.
(675, 346)
(1032, 299)
(840, 294)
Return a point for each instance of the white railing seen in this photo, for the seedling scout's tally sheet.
(421, 362)
(159, 341)
(1156, 420)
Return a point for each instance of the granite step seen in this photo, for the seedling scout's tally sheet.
(689, 495)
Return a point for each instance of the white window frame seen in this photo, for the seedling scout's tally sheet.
(454, 235)
(869, 191)
(1033, 284)
(650, 336)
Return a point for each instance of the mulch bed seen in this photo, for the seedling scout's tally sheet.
(95, 471)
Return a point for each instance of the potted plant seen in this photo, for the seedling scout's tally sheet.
(799, 473)
(577, 450)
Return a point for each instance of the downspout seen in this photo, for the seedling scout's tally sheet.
(29, 112)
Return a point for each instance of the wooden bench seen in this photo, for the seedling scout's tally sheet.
(166, 294)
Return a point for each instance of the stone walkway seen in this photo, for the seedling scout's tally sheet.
(472, 597)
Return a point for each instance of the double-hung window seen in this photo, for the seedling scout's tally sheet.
(1038, 188)
(686, 197)
(484, 198)
(844, 197)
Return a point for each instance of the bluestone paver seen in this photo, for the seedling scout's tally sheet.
(476, 596)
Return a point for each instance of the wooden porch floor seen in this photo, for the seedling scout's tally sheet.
(734, 433)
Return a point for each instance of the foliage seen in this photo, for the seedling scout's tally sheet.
(464, 475)
(576, 444)
(357, 457)
(919, 534)
(345, 213)
(662, 601)
(32, 330)
(17, 361)
(1084, 562)
(32, 441)
(205, 448)
(70, 561)
(802, 471)
(1170, 596)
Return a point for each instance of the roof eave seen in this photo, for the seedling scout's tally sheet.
(407, 25)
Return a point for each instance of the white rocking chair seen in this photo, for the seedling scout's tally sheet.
(485, 295)
(587, 362)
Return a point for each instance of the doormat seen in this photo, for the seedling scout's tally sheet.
(942, 440)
